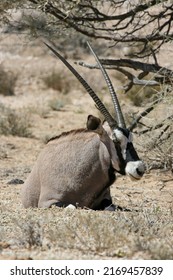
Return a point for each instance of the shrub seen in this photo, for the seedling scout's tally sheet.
(56, 104)
(14, 123)
(7, 81)
(140, 95)
(56, 81)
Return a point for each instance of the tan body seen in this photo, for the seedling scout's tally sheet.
(74, 168)
(78, 166)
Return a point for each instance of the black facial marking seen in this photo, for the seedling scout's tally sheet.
(131, 154)
(140, 173)
(125, 131)
(122, 162)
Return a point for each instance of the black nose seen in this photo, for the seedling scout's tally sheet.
(140, 173)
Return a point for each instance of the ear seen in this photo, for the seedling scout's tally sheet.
(94, 124)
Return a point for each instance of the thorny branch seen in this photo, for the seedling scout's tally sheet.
(143, 114)
(143, 25)
(116, 21)
(165, 75)
(162, 74)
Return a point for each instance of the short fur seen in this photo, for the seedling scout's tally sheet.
(75, 168)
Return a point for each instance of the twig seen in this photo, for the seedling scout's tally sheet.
(144, 113)
(134, 64)
(158, 126)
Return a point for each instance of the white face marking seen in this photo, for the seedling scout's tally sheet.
(123, 140)
(135, 169)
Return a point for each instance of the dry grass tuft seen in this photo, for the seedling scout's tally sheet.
(141, 95)
(57, 104)
(7, 81)
(31, 233)
(148, 233)
(14, 123)
(57, 81)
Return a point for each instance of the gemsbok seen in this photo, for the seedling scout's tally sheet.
(79, 166)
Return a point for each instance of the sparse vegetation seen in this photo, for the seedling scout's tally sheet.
(14, 123)
(142, 95)
(57, 81)
(31, 233)
(93, 234)
(7, 81)
(57, 104)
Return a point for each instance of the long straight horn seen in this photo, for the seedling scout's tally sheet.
(96, 99)
(119, 114)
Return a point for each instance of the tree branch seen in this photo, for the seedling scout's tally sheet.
(118, 64)
(90, 19)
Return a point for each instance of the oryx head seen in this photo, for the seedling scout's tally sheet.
(129, 162)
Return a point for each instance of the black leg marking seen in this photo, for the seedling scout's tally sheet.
(59, 204)
(107, 205)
